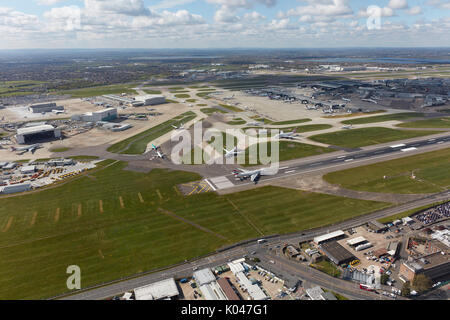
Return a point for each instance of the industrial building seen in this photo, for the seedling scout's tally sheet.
(162, 290)
(228, 289)
(28, 169)
(204, 276)
(434, 266)
(336, 253)
(377, 226)
(212, 291)
(44, 107)
(15, 188)
(337, 235)
(96, 116)
(150, 99)
(37, 133)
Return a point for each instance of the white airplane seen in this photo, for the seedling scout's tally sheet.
(347, 127)
(31, 148)
(232, 153)
(287, 135)
(254, 175)
(58, 111)
(178, 128)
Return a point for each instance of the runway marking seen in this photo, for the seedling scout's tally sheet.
(159, 194)
(101, 253)
(290, 171)
(195, 189)
(140, 198)
(122, 205)
(176, 190)
(8, 224)
(210, 184)
(348, 160)
(58, 211)
(33, 219)
(80, 210)
(100, 203)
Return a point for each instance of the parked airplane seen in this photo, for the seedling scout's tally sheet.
(232, 153)
(287, 135)
(58, 111)
(31, 148)
(155, 147)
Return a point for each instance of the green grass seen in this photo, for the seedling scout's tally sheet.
(202, 105)
(138, 143)
(171, 101)
(152, 91)
(288, 151)
(383, 118)
(191, 100)
(237, 122)
(62, 149)
(431, 123)
(204, 95)
(210, 111)
(176, 88)
(356, 138)
(125, 241)
(182, 96)
(231, 108)
(282, 123)
(327, 267)
(99, 91)
(408, 213)
(432, 171)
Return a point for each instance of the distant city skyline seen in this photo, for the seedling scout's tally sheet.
(181, 24)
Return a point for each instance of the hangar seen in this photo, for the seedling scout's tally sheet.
(336, 253)
(150, 99)
(37, 133)
(44, 107)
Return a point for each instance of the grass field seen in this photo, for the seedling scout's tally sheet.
(231, 108)
(431, 123)
(210, 111)
(138, 143)
(237, 122)
(204, 95)
(432, 171)
(300, 129)
(356, 138)
(62, 149)
(383, 118)
(152, 91)
(327, 267)
(182, 96)
(83, 223)
(99, 91)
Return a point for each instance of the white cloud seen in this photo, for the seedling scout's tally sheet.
(398, 4)
(415, 10)
(323, 8)
(48, 2)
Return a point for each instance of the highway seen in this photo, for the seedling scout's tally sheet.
(219, 258)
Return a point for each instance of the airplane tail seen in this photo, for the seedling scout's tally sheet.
(13, 149)
(236, 171)
(295, 130)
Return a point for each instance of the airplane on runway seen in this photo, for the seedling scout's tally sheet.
(287, 135)
(254, 175)
(31, 148)
(347, 127)
(232, 153)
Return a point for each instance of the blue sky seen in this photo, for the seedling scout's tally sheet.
(223, 23)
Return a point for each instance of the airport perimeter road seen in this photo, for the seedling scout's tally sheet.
(394, 151)
(185, 270)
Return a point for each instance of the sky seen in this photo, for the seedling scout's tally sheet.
(27, 24)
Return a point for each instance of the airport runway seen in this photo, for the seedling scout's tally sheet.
(304, 166)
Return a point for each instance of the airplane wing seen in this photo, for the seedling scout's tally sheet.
(255, 177)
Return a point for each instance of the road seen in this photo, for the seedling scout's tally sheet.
(219, 258)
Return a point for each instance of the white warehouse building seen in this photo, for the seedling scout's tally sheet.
(28, 135)
(150, 99)
(96, 116)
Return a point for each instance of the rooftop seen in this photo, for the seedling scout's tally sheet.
(158, 290)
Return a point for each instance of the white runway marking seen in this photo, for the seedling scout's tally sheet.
(290, 171)
(222, 182)
(210, 184)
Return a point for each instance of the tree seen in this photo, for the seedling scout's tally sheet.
(406, 289)
(384, 278)
(421, 283)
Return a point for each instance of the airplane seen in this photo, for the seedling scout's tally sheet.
(347, 127)
(345, 99)
(58, 111)
(178, 128)
(328, 111)
(155, 147)
(160, 155)
(254, 175)
(232, 153)
(31, 148)
(287, 135)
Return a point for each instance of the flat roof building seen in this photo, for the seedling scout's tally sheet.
(165, 289)
(434, 266)
(204, 276)
(15, 188)
(97, 116)
(212, 291)
(44, 107)
(31, 134)
(228, 289)
(336, 253)
(336, 235)
(356, 241)
(377, 226)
